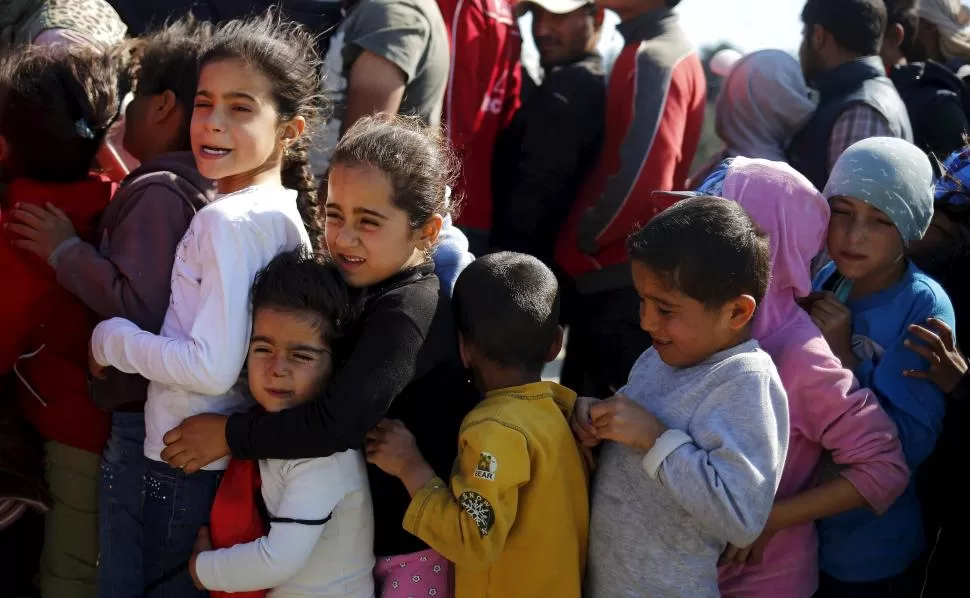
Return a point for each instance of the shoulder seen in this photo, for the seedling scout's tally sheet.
(928, 296)
(492, 426)
(370, 15)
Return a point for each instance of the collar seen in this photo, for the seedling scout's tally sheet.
(648, 25)
(402, 278)
(848, 76)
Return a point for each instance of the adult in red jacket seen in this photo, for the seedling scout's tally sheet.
(655, 104)
(484, 82)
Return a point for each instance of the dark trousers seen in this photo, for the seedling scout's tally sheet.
(907, 584)
(605, 340)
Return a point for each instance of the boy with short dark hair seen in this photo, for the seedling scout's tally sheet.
(700, 432)
(128, 274)
(515, 518)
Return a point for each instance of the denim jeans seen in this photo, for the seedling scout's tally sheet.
(176, 506)
(119, 507)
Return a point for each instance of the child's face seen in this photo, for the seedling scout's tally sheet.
(237, 138)
(684, 331)
(369, 238)
(288, 361)
(862, 240)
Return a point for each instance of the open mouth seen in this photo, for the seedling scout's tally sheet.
(213, 152)
(278, 392)
(350, 261)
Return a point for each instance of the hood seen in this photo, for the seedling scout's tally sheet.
(763, 102)
(786, 206)
(928, 73)
(197, 189)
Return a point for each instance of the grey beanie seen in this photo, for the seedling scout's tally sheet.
(892, 175)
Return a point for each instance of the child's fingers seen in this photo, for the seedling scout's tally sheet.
(26, 212)
(57, 212)
(930, 354)
(944, 330)
(172, 436)
(916, 374)
(28, 232)
(172, 451)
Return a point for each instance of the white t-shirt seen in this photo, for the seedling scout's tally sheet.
(195, 361)
(306, 557)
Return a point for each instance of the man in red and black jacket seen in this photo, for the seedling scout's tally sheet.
(655, 103)
(482, 97)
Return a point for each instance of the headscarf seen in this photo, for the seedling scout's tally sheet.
(763, 103)
(949, 17)
(891, 175)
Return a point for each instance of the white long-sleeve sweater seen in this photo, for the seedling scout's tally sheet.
(303, 557)
(194, 362)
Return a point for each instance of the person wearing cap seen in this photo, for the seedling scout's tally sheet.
(543, 156)
(655, 102)
(932, 92)
(866, 300)
(840, 59)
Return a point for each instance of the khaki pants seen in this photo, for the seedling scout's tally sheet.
(69, 563)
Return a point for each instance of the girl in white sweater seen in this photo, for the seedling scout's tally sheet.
(256, 95)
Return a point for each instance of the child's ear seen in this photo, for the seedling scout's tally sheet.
(742, 311)
(556, 347)
(165, 106)
(430, 231)
(291, 130)
(465, 350)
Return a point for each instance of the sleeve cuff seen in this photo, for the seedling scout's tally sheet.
(60, 249)
(412, 518)
(668, 442)
(203, 571)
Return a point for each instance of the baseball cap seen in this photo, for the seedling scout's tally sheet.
(556, 7)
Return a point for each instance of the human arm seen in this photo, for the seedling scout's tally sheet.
(312, 489)
(469, 522)
(209, 360)
(858, 122)
(947, 365)
(384, 46)
(385, 358)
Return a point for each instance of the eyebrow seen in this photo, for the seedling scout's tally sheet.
(232, 95)
(365, 211)
(307, 348)
(663, 302)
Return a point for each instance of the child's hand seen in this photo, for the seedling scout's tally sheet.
(42, 229)
(391, 446)
(97, 370)
(750, 554)
(203, 543)
(621, 420)
(834, 319)
(581, 423)
(196, 442)
(947, 365)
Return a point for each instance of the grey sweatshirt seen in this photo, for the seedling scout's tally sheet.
(660, 520)
(129, 274)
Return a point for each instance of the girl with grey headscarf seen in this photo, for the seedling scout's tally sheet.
(764, 101)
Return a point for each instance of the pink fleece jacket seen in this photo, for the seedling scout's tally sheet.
(829, 413)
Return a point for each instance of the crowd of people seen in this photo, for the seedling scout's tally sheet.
(283, 282)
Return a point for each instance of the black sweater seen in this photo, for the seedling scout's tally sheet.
(399, 360)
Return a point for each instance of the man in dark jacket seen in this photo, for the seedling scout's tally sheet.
(840, 58)
(542, 158)
(933, 94)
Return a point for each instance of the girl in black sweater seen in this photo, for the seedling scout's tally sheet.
(385, 206)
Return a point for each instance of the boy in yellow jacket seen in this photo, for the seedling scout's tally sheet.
(515, 518)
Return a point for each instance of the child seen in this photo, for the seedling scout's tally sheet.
(256, 94)
(386, 201)
(881, 196)
(57, 107)
(321, 534)
(128, 272)
(672, 490)
(828, 411)
(516, 517)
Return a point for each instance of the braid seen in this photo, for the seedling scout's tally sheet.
(296, 174)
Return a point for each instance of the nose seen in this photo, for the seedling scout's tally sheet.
(648, 319)
(213, 121)
(278, 366)
(346, 237)
(858, 230)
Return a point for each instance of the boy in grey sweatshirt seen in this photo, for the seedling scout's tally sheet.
(696, 440)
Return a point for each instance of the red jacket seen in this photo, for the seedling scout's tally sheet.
(655, 105)
(46, 329)
(482, 96)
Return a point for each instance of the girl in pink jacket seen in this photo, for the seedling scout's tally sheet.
(844, 452)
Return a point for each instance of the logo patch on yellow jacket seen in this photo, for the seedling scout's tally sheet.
(486, 468)
(480, 510)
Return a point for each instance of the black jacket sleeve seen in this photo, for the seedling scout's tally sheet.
(387, 356)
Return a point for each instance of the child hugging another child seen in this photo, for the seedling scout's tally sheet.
(881, 195)
(57, 105)
(828, 411)
(386, 202)
(126, 270)
(514, 516)
(698, 436)
(256, 94)
(321, 524)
